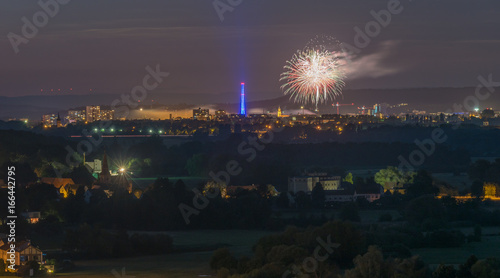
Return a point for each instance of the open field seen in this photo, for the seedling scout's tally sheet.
(367, 216)
(488, 247)
(461, 181)
(166, 266)
(192, 264)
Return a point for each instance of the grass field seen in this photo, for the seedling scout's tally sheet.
(488, 247)
(367, 216)
(167, 266)
(192, 264)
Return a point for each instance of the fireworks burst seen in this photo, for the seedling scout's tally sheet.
(314, 75)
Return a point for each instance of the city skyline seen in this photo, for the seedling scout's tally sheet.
(250, 138)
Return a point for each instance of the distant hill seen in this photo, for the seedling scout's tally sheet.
(428, 99)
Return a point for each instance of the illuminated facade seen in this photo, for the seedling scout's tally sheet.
(220, 114)
(93, 113)
(107, 115)
(75, 116)
(201, 114)
(307, 183)
(49, 120)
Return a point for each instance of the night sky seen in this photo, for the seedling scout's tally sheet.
(105, 45)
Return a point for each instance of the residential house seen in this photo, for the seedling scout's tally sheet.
(370, 192)
(31, 216)
(63, 185)
(350, 193)
(23, 252)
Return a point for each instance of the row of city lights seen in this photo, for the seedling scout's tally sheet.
(121, 130)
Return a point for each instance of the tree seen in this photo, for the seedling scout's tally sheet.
(213, 187)
(3, 267)
(318, 196)
(488, 113)
(282, 201)
(425, 208)
(40, 194)
(370, 265)
(24, 174)
(286, 254)
(392, 176)
(412, 267)
(444, 271)
(80, 175)
(486, 268)
(222, 258)
(478, 170)
(464, 270)
(476, 188)
(302, 200)
(197, 165)
(349, 178)
(422, 185)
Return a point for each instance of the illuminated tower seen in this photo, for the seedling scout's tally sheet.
(279, 111)
(243, 106)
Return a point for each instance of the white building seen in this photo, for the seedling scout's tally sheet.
(307, 183)
(94, 167)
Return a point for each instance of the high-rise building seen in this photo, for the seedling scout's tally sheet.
(243, 105)
(75, 116)
(219, 114)
(107, 115)
(201, 114)
(93, 113)
(49, 120)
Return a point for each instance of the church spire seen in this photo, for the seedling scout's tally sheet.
(58, 121)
